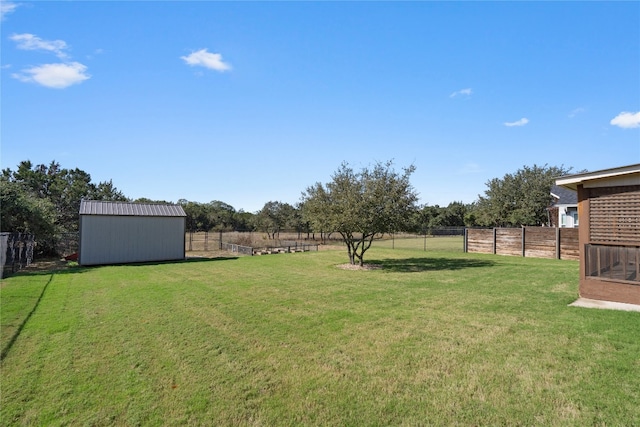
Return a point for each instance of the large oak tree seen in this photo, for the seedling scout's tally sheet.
(45, 200)
(519, 198)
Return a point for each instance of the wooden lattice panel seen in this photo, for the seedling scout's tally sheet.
(614, 214)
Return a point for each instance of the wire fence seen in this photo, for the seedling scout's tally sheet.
(238, 249)
(248, 243)
(18, 255)
(286, 247)
(67, 244)
(422, 242)
(259, 243)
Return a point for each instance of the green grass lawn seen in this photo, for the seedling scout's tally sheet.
(432, 338)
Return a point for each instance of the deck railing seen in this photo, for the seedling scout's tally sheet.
(614, 262)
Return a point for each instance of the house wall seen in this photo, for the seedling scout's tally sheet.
(595, 287)
(568, 216)
(111, 239)
(606, 290)
(564, 216)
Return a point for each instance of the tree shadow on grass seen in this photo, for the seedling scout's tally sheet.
(188, 260)
(5, 349)
(414, 265)
(54, 269)
(204, 259)
(61, 269)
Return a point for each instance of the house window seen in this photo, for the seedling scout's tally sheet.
(569, 219)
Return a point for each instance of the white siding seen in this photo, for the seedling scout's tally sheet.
(124, 239)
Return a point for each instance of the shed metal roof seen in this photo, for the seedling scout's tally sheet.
(99, 207)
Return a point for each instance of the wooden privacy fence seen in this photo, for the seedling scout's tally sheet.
(535, 242)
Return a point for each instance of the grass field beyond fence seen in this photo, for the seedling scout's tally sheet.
(430, 338)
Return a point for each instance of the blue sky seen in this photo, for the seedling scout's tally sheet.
(248, 102)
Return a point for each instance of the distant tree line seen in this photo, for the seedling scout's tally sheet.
(44, 200)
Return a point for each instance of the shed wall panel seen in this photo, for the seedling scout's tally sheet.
(125, 239)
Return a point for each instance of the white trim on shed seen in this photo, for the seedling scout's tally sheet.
(123, 232)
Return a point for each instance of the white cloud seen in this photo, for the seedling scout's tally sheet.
(56, 76)
(31, 42)
(469, 168)
(7, 7)
(202, 58)
(577, 111)
(523, 121)
(626, 120)
(461, 92)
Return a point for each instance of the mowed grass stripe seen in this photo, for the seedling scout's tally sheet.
(441, 338)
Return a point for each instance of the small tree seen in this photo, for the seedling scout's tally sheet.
(359, 205)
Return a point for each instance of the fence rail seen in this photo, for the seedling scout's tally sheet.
(237, 249)
(16, 252)
(535, 242)
(444, 231)
(286, 247)
(247, 243)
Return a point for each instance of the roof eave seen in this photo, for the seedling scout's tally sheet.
(572, 181)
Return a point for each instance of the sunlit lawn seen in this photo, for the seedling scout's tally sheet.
(432, 338)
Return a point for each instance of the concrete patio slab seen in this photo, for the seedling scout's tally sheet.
(608, 305)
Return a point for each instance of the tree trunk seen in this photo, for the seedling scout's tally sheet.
(352, 254)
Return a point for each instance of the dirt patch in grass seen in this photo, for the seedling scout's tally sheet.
(48, 264)
(360, 267)
(210, 254)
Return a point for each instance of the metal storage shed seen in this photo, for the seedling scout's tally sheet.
(122, 232)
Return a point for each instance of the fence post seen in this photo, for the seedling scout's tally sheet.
(494, 241)
(220, 239)
(523, 240)
(465, 247)
(558, 249)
